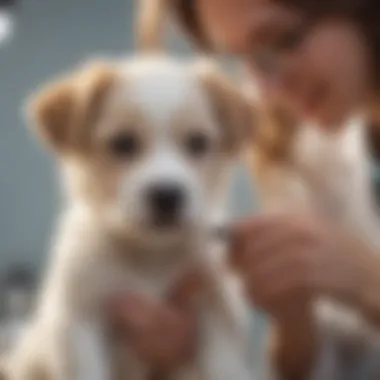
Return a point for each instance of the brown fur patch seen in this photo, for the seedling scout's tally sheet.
(63, 111)
(233, 110)
(274, 137)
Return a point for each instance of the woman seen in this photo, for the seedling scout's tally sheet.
(320, 59)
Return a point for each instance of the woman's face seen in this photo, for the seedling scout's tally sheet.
(318, 69)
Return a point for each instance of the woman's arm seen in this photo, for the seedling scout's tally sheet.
(294, 347)
(294, 343)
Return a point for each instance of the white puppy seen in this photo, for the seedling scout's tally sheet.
(144, 146)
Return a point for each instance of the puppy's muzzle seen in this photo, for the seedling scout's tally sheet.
(166, 202)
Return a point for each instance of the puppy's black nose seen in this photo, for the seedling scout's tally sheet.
(166, 199)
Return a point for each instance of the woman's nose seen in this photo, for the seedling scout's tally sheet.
(288, 81)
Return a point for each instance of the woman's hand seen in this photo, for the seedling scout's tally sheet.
(164, 335)
(287, 260)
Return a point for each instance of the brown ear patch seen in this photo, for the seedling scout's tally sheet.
(233, 111)
(64, 110)
(50, 110)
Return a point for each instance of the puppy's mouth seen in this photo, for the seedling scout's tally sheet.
(166, 222)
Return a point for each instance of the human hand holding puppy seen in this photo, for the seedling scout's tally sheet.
(286, 262)
(289, 260)
(162, 334)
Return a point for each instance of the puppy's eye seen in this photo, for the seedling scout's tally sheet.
(197, 145)
(125, 146)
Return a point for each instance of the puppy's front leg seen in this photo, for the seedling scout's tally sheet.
(62, 350)
(225, 352)
(226, 349)
(91, 352)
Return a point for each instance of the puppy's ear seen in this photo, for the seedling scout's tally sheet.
(51, 110)
(233, 111)
(62, 111)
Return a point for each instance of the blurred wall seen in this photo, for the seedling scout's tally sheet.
(52, 36)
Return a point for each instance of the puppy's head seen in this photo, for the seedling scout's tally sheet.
(144, 144)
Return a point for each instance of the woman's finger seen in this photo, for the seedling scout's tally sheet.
(282, 280)
(167, 340)
(244, 234)
(267, 247)
(257, 224)
(186, 290)
(291, 259)
(135, 313)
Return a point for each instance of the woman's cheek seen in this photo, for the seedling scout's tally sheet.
(338, 54)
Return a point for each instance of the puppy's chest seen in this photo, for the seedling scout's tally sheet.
(123, 275)
(155, 283)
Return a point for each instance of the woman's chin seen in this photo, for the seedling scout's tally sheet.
(328, 121)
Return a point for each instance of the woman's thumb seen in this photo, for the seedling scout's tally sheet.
(185, 292)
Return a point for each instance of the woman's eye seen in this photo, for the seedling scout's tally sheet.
(125, 146)
(289, 40)
(197, 145)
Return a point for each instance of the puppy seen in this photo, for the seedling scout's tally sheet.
(144, 146)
